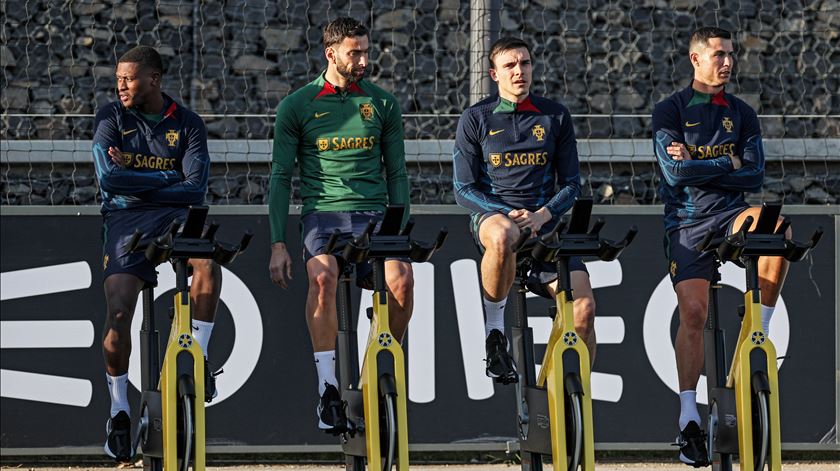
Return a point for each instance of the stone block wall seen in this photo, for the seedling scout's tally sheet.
(239, 58)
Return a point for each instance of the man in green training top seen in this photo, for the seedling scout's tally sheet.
(343, 131)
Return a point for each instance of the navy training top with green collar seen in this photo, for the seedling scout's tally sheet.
(167, 163)
(513, 155)
(713, 128)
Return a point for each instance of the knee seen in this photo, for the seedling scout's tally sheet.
(205, 272)
(323, 282)
(500, 240)
(119, 318)
(693, 315)
(401, 282)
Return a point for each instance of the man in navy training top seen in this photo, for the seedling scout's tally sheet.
(152, 163)
(512, 151)
(708, 144)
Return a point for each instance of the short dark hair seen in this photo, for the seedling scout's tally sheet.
(506, 44)
(704, 34)
(146, 56)
(344, 27)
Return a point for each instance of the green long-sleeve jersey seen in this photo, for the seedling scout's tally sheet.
(342, 140)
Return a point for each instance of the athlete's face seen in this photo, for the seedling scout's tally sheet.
(512, 72)
(136, 85)
(713, 61)
(350, 58)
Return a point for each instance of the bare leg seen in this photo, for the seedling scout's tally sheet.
(498, 265)
(322, 271)
(121, 291)
(400, 280)
(205, 289)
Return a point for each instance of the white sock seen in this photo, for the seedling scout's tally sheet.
(201, 331)
(325, 363)
(495, 316)
(766, 315)
(118, 389)
(688, 408)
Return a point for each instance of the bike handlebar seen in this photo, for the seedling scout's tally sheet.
(360, 248)
(743, 243)
(170, 245)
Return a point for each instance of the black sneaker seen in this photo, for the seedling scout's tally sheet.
(499, 363)
(692, 443)
(210, 391)
(331, 415)
(118, 441)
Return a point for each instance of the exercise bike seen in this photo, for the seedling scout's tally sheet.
(744, 404)
(375, 396)
(554, 409)
(171, 426)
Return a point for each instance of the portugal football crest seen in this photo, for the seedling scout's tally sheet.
(539, 132)
(727, 124)
(323, 144)
(172, 137)
(366, 110)
(496, 159)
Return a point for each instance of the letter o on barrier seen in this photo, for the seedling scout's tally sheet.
(247, 342)
(657, 329)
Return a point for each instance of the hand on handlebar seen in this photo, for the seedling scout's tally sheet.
(280, 266)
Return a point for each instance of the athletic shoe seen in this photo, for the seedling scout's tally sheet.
(692, 443)
(499, 363)
(331, 415)
(210, 391)
(118, 438)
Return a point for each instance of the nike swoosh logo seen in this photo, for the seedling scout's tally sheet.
(691, 125)
(126, 133)
(320, 115)
(494, 132)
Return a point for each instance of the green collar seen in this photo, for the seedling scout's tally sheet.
(505, 106)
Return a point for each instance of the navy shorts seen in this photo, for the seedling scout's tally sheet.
(317, 228)
(544, 272)
(684, 261)
(117, 229)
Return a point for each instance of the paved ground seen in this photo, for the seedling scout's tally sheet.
(606, 466)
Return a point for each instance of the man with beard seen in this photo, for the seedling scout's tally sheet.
(342, 130)
(708, 145)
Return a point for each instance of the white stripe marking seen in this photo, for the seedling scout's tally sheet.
(46, 334)
(45, 388)
(44, 280)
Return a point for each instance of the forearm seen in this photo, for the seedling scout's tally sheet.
(278, 206)
(115, 179)
(565, 198)
(478, 202)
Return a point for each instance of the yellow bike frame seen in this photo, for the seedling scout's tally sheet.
(379, 340)
(181, 341)
(752, 337)
(563, 337)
